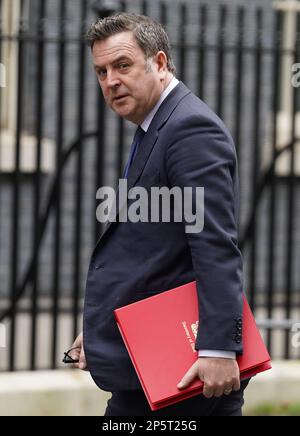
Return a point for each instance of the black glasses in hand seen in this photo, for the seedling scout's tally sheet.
(68, 358)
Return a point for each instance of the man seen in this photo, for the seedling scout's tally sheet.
(181, 143)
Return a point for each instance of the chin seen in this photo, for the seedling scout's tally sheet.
(125, 114)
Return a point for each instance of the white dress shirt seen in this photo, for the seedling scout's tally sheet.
(145, 126)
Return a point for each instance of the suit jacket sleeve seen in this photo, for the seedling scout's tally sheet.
(202, 154)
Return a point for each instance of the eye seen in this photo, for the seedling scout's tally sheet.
(123, 66)
(101, 74)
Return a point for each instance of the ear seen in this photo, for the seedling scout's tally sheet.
(161, 62)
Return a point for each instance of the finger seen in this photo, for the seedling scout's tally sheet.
(78, 341)
(76, 364)
(82, 360)
(188, 377)
(208, 390)
(228, 390)
(237, 385)
(219, 390)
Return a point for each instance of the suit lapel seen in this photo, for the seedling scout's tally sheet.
(149, 141)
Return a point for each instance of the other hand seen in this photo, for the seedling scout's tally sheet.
(220, 376)
(78, 353)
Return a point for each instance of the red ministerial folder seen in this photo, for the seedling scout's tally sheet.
(159, 333)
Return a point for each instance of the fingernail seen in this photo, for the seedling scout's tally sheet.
(180, 385)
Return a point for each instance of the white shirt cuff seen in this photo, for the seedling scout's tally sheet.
(217, 354)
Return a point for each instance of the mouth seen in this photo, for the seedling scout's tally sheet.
(119, 99)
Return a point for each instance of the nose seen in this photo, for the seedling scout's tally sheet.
(112, 79)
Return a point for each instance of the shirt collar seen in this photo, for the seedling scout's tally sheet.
(146, 124)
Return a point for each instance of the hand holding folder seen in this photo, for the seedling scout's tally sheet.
(159, 334)
(216, 373)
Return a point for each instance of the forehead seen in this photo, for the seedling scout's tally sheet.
(122, 44)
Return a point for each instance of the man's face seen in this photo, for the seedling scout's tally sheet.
(131, 85)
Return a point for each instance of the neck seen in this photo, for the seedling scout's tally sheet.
(167, 81)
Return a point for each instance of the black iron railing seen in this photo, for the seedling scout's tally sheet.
(233, 58)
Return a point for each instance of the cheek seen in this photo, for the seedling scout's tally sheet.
(148, 84)
(103, 88)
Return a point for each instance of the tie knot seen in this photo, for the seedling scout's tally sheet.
(139, 134)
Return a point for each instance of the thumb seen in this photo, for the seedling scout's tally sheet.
(189, 377)
(82, 361)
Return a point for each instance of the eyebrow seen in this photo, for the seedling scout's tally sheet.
(119, 59)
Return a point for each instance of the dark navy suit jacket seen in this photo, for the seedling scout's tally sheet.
(186, 145)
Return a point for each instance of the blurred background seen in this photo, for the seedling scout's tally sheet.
(59, 144)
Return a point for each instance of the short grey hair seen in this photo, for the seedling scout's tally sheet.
(150, 34)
